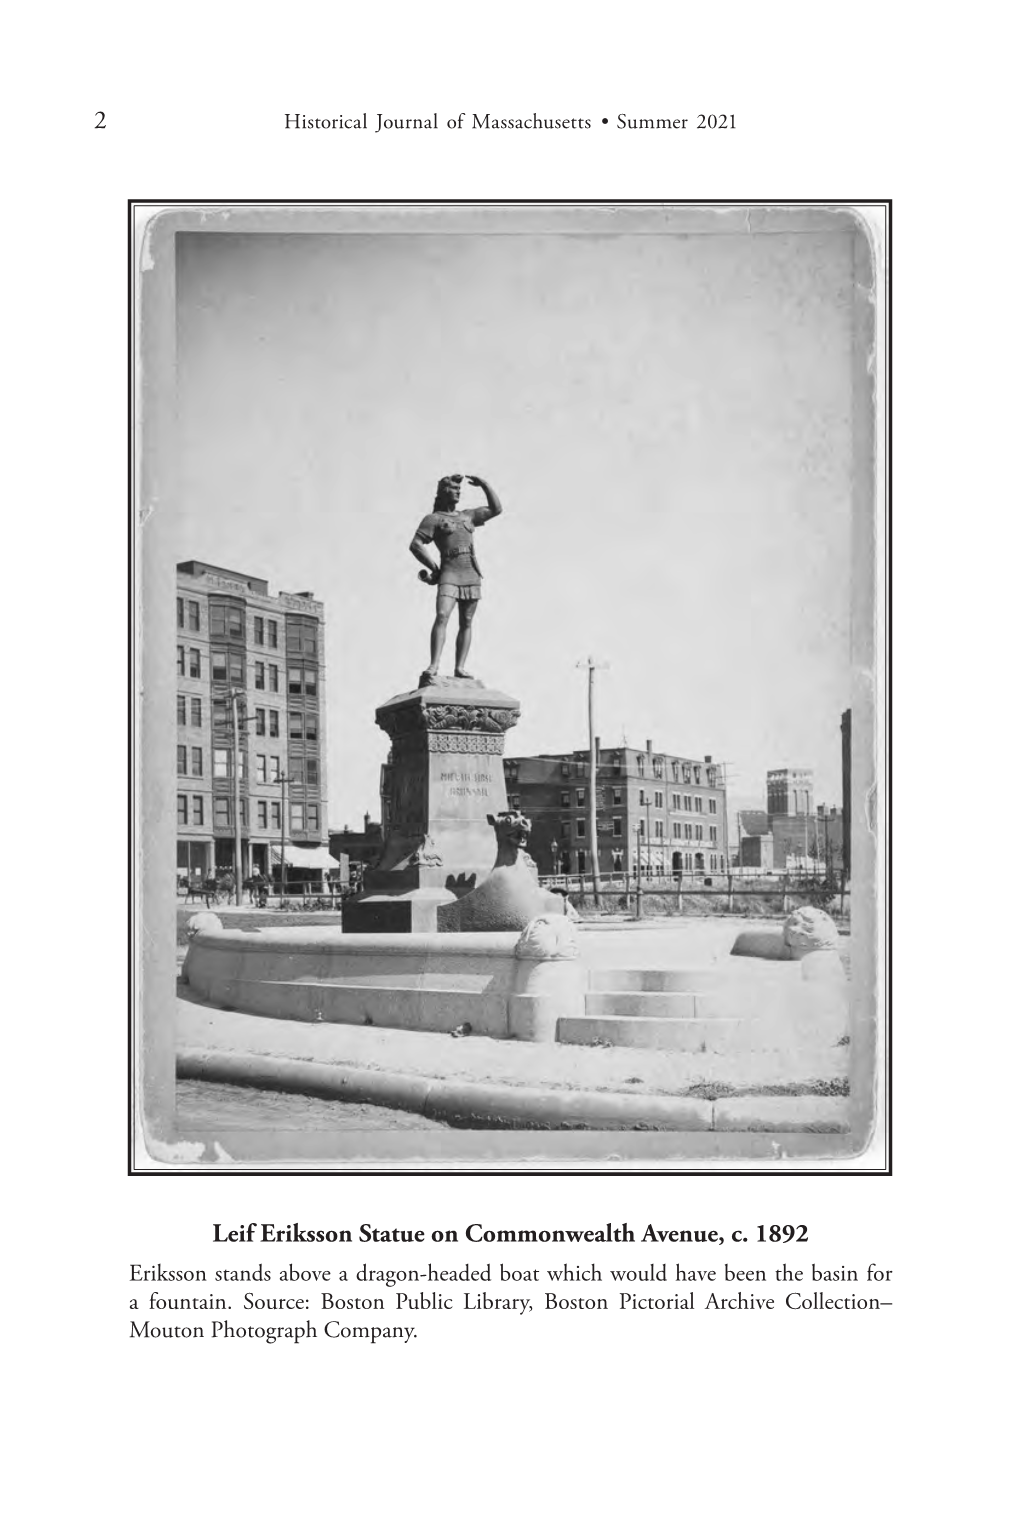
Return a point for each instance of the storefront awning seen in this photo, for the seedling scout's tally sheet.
(305, 857)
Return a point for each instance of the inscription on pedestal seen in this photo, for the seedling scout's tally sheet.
(444, 784)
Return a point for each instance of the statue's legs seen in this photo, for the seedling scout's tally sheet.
(444, 605)
(467, 616)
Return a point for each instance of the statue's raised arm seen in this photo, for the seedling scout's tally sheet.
(493, 505)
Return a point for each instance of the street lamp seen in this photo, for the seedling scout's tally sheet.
(554, 850)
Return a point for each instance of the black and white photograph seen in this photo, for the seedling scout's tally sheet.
(509, 591)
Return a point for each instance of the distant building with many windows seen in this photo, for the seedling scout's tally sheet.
(667, 810)
(234, 639)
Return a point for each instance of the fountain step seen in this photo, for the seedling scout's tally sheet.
(665, 1034)
(672, 1006)
(654, 980)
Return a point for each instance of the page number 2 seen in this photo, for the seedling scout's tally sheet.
(100, 121)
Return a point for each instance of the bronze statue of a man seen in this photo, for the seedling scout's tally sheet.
(457, 575)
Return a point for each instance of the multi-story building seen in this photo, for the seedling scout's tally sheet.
(236, 643)
(665, 810)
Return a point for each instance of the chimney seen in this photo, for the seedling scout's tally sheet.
(708, 759)
(367, 822)
(598, 748)
(650, 751)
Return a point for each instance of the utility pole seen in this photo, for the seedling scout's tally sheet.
(593, 834)
(238, 879)
(284, 779)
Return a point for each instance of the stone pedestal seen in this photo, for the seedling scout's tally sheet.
(445, 777)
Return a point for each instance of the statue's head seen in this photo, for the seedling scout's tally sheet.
(512, 829)
(448, 492)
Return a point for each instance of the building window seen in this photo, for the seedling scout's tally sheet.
(657, 767)
(658, 799)
(221, 812)
(617, 828)
(565, 829)
(313, 817)
(674, 766)
(311, 682)
(697, 775)
(698, 805)
(677, 831)
(260, 631)
(302, 635)
(274, 725)
(579, 794)
(272, 635)
(687, 804)
(512, 770)
(641, 764)
(274, 769)
(713, 834)
(711, 804)
(260, 676)
(658, 828)
(221, 762)
(180, 659)
(260, 770)
(182, 711)
(194, 625)
(312, 776)
(580, 828)
(564, 767)
(515, 801)
(226, 620)
(699, 832)
(236, 670)
(196, 711)
(274, 677)
(685, 771)
(244, 812)
(311, 726)
(297, 771)
(274, 814)
(260, 722)
(617, 796)
(180, 618)
(219, 664)
(182, 759)
(564, 799)
(182, 807)
(711, 775)
(294, 682)
(197, 811)
(687, 831)
(297, 816)
(262, 815)
(196, 761)
(295, 725)
(641, 828)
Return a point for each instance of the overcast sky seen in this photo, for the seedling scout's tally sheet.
(665, 417)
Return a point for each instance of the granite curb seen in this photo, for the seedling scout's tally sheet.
(465, 1103)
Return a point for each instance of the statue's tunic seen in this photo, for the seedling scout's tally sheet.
(453, 534)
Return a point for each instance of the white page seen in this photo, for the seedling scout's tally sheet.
(587, 1416)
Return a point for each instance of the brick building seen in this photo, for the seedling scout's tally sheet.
(793, 833)
(669, 809)
(235, 639)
